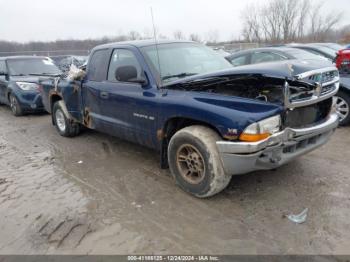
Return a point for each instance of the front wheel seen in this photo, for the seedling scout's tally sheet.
(195, 163)
(64, 126)
(16, 108)
(342, 105)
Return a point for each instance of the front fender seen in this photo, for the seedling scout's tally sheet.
(229, 115)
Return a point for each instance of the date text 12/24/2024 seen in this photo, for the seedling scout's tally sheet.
(173, 258)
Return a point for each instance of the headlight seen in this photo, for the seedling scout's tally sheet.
(27, 86)
(262, 129)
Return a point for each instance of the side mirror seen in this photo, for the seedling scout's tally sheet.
(129, 74)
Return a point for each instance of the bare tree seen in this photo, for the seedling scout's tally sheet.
(251, 24)
(195, 38)
(286, 21)
(179, 35)
(134, 35)
(321, 25)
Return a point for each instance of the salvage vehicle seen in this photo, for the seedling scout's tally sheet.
(207, 119)
(269, 54)
(19, 82)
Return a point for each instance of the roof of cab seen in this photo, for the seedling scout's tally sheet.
(140, 43)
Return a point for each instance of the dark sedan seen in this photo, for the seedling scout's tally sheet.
(318, 49)
(270, 54)
(19, 82)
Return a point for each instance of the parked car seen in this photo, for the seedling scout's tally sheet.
(318, 49)
(333, 46)
(208, 120)
(64, 62)
(19, 82)
(269, 54)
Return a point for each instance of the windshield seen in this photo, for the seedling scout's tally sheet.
(178, 60)
(32, 66)
(302, 54)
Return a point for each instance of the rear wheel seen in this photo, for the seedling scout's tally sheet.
(64, 126)
(15, 106)
(195, 162)
(342, 104)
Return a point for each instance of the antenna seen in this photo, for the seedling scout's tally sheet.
(156, 42)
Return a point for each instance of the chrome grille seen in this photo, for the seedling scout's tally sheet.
(318, 85)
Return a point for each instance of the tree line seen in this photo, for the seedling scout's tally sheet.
(279, 21)
(284, 21)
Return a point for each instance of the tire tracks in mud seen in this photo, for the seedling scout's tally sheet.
(31, 200)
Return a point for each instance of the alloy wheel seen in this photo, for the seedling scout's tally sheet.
(60, 120)
(342, 107)
(190, 163)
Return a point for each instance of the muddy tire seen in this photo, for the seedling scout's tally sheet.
(16, 108)
(64, 126)
(195, 163)
(342, 103)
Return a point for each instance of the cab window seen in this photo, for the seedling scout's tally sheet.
(98, 65)
(127, 59)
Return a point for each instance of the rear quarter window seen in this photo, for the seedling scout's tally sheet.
(98, 65)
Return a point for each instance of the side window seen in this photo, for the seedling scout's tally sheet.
(3, 68)
(239, 61)
(123, 58)
(262, 57)
(98, 65)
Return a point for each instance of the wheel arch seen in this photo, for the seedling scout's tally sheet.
(173, 125)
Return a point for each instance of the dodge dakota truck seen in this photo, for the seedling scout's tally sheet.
(208, 120)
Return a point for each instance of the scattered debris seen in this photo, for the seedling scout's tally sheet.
(75, 73)
(80, 162)
(300, 218)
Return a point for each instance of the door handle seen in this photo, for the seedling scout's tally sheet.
(104, 95)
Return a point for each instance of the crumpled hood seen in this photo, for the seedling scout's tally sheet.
(282, 69)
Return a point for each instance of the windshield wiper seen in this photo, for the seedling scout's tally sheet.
(178, 75)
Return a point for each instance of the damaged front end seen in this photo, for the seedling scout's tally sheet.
(304, 90)
(307, 121)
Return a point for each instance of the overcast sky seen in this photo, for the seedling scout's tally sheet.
(24, 20)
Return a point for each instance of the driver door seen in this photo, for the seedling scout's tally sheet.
(128, 106)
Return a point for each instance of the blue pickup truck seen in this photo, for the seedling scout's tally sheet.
(208, 120)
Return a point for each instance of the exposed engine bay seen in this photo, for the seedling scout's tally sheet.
(275, 90)
(258, 87)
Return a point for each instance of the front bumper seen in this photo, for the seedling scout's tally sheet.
(30, 101)
(278, 149)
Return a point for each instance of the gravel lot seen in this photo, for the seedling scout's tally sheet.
(96, 194)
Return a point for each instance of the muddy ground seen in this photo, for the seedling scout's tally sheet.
(96, 194)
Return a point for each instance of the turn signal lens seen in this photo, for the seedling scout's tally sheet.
(253, 138)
